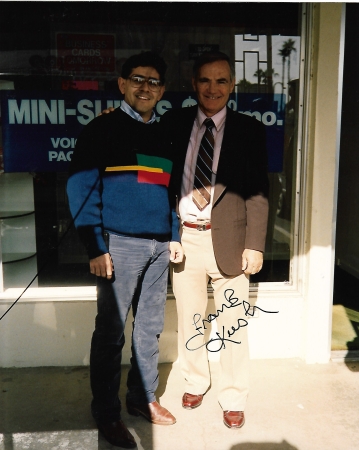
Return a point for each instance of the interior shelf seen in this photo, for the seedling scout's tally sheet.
(8, 258)
(14, 214)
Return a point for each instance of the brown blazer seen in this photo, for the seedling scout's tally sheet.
(240, 203)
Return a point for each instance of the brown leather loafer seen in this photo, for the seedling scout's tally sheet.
(153, 412)
(190, 401)
(233, 419)
(117, 434)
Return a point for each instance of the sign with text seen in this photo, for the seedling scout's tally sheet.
(85, 52)
(40, 128)
(196, 50)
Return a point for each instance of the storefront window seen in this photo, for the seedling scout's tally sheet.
(267, 83)
(60, 64)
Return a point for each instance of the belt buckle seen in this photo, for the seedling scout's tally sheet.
(201, 227)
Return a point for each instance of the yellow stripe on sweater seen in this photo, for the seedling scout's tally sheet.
(128, 168)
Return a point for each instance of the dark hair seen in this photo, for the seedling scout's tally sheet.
(145, 59)
(210, 57)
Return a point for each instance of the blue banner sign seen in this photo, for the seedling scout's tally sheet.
(40, 128)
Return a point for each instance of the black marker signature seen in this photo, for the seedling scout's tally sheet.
(216, 344)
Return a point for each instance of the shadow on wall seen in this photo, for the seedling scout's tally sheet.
(353, 366)
(354, 344)
(284, 445)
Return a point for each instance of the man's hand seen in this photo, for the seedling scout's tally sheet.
(102, 266)
(106, 111)
(252, 261)
(177, 252)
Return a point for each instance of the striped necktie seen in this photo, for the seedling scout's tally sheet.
(203, 175)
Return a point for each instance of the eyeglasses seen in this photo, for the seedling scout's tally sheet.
(153, 84)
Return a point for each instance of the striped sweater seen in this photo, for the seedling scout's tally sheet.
(119, 175)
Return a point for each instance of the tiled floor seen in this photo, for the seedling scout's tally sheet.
(292, 406)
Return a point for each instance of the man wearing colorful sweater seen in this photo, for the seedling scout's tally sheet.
(118, 196)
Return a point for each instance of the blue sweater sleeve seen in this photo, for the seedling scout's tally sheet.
(84, 193)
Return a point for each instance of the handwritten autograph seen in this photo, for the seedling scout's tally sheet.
(216, 344)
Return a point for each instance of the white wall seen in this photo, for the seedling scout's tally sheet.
(57, 332)
(319, 211)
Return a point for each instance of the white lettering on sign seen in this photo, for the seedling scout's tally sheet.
(162, 106)
(64, 142)
(268, 118)
(49, 112)
(232, 104)
(84, 108)
(60, 156)
(20, 114)
(189, 102)
(41, 112)
(255, 114)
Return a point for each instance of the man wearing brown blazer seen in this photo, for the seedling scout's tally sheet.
(223, 234)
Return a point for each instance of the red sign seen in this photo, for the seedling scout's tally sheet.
(85, 52)
(70, 85)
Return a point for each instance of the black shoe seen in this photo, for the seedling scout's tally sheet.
(117, 434)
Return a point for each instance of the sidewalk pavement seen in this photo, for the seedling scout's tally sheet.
(291, 406)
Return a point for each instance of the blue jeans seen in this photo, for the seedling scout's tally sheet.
(140, 280)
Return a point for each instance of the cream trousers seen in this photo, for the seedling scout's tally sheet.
(190, 281)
